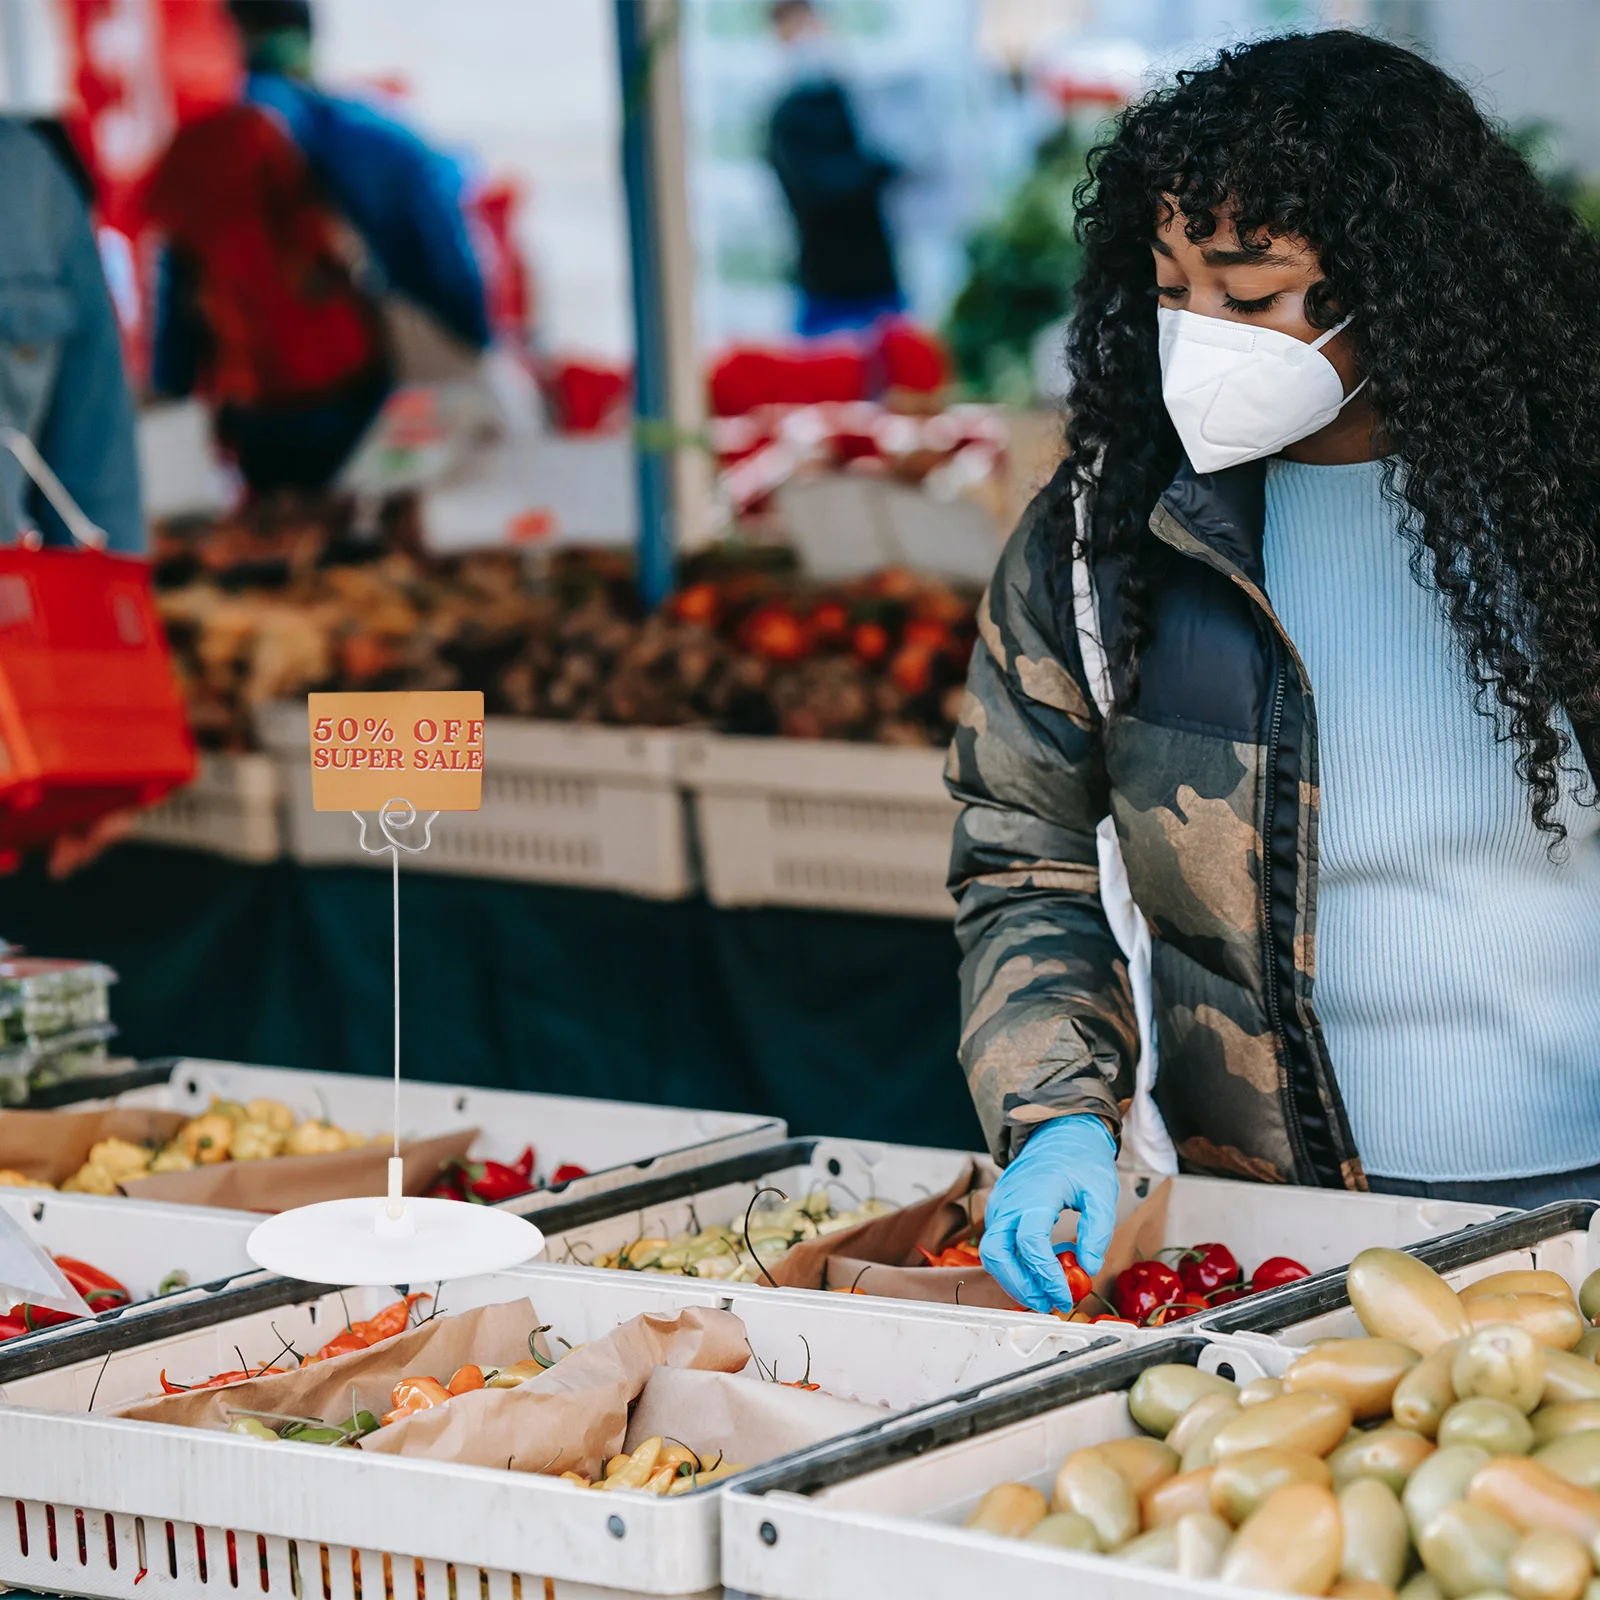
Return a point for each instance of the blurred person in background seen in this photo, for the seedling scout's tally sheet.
(62, 383)
(1335, 424)
(265, 305)
(833, 183)
(61, 377)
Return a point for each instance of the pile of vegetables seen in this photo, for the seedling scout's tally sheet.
(658, 1466)
(736, 1253)
(227, 1131)
(282, 600)
(485, 1182)
(1452, 1452)
(1152, 1293)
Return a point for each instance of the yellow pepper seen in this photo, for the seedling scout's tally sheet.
(255, 1141)
(207, 1139)
(231, 1109)
(90, 1179)
(11, 1179)
(641, 1466)
(274, 1113)
(314, 1139)
(120, 1158)
(172, 1159)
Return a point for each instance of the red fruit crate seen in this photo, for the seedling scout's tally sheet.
(91, 720)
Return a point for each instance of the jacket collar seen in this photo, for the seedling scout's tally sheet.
(1224, 512)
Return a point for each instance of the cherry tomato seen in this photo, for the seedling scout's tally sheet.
(1276, 1271)
(1205, 1268)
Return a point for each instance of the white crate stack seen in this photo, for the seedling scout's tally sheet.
(231, 809)
(562, 803)
(820, 823)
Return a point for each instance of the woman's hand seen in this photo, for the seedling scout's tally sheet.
(1069, 1164)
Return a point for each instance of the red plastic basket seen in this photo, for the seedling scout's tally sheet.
(91, 719)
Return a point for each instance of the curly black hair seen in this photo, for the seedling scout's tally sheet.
(1476, 297)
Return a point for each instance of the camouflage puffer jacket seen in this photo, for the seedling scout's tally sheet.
(1212, 781)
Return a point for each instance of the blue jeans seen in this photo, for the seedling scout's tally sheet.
(1523, 1193)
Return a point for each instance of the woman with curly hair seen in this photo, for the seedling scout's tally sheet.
(1301, 649)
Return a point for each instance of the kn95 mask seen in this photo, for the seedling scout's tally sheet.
(1237, 393)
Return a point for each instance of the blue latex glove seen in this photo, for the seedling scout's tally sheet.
(1069, 1164)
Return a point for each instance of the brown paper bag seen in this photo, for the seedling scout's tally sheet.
(491, 1336)
(744, 1422)
(284, 1182)
(51, 1145)
(575, 1416)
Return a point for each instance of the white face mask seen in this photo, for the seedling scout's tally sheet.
(1236, 393)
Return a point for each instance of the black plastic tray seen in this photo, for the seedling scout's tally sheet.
(967, 1415)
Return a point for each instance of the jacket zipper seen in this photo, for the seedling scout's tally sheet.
(1269, 956)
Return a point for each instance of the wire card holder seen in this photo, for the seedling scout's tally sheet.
(360, 745)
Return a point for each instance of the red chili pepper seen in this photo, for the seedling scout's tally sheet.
(489, 1181)
(12, 1327)
(391, 1320)
(341, 1344)
(1276, 1271)
(1205, 1268)
(99, 1288)
(523, 1165)
(220, 1381)
(1144, 1287)
(1079, 1283)
(36, 1317)
(566, 1172)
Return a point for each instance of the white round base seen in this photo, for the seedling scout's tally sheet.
(339, 1242)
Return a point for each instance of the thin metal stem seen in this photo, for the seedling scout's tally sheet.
(394, 859)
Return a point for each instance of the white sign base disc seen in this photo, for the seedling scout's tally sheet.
(341, 1242)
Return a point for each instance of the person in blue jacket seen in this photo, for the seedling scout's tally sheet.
(61, 376)
(288, 423)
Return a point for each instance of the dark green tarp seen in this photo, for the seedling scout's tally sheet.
(840, 1024)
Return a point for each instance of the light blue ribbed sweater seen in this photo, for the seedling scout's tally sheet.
(1457, 965)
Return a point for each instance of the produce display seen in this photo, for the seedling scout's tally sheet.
(736, 1253)
(227, 1131)
(283, 599)
(1453, 1451)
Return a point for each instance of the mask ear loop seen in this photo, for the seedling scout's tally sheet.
(1317, 344)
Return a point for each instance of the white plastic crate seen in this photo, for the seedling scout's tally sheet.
(231, 809)
(899, 1529)
(562, 803)
(103, 1504)
(139, 1242)
(902, 1523)
(1317, 1227)
(802, 822)
(616, 1140)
